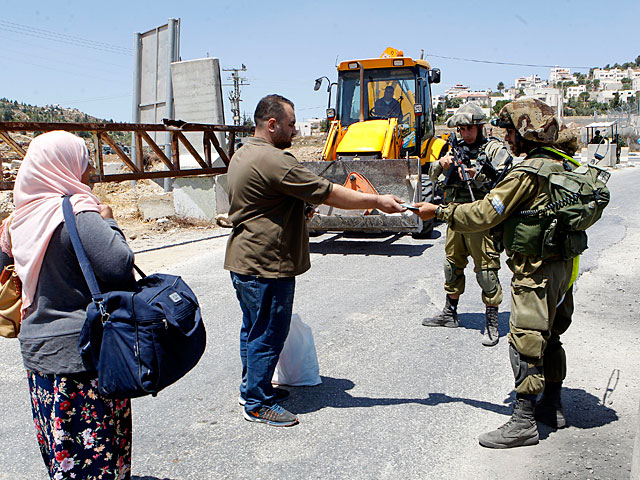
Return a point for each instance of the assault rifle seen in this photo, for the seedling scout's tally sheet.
(460, 159)
(494, 175)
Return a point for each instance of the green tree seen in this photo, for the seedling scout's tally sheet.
(452, 102)
(615, 102)
(498, 106)
(439, 111)
(500, 86)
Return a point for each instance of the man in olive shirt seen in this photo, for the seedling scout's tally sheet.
(269, 246)
(541, 261)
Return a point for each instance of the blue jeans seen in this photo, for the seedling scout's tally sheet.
(266, 305)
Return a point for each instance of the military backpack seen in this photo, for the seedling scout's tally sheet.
(573, 201)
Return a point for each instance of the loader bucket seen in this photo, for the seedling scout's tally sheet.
(399, 177)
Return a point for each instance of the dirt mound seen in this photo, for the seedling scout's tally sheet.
(308, 149)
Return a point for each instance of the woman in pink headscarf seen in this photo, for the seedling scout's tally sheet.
(80, 433)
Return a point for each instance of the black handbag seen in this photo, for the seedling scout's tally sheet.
(139, 341)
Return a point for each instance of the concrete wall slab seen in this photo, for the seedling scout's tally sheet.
(195, 197)
(197, 95)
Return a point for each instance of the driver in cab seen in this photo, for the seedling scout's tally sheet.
(387, 106)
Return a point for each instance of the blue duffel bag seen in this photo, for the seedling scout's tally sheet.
(139, 341)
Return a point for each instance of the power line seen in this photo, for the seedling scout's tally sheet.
(63, 70)
(59, 37)
(310, 108)
(63, 64)
(505, 63)
(51, 49)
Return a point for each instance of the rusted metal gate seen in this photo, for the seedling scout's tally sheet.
(101, 135)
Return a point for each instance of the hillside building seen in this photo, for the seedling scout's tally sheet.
(557, 74)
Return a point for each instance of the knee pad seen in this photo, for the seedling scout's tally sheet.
(488, 281)
(520, 366)
(450, 275)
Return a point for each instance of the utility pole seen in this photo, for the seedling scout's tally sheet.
(234, 95)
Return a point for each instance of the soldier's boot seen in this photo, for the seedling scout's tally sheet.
(521, 429)
(491, 335)
(447, 318)
(549, 407)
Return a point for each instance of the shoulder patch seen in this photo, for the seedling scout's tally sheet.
(497, 205)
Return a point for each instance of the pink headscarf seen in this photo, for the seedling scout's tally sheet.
(53, 167)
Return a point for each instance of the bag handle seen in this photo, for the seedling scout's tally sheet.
(140, 272)
(85, 265)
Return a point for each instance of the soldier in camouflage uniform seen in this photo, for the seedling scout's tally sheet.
(541, 293)
(469, 121)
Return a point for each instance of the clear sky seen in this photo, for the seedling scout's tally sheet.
(80, 54)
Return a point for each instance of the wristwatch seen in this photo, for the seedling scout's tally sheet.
(438, 212)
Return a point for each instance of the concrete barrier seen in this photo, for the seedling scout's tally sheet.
(606, 150)
(197, 92)
(624, 154)
(195, 197)
(222, 194)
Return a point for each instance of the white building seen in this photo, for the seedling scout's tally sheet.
(530, 81)
(557, 74)
(303, 129)
(551, 96)
(481, 98)
(605, 96)
(574, 92)
(438, 100)
(316, 123)
(610, 85)
(456, 90)
(615, 74)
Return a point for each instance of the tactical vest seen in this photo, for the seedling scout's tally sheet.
(552, 226)
(458, 192)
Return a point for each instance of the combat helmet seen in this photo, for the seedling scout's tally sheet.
(468, 114)
(535, 121)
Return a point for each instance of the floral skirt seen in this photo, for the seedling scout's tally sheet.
(81, 434)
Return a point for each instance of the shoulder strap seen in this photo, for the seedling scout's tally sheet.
(532, 165)
(85, 265)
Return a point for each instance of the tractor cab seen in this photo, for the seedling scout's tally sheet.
(377, 100)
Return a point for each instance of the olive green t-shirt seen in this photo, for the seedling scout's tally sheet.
(268, 189)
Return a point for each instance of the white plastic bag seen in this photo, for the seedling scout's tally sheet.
(298, 364)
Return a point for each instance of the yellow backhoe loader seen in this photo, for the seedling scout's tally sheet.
(380, 140)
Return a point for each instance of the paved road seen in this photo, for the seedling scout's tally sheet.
(398, 400)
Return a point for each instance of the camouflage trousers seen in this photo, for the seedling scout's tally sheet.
(541, 309)
(479, 246)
